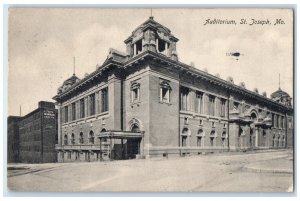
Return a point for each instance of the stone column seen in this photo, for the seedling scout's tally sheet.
(134, 49)
(97, 102)
(206, 104)
(166, 48)
(233, 136)
(86, 107)
(256, 130)
(59, 121)
(218, 107)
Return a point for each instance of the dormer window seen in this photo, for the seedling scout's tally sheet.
(162, 46)
(138, 47)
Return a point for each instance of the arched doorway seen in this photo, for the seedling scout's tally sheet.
(133, 144)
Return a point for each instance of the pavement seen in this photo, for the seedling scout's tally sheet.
(260, 171)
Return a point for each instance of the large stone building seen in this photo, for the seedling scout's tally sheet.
(35, 135)
(145, 103)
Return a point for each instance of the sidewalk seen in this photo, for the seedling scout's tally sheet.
(281, 165)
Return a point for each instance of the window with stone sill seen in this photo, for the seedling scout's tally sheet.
(186, 121)
(135, 92)
(72, 139)
(201, 122)
(165, 90)
(213, 124)
(81, 138)
(66, 140)
(91, 137)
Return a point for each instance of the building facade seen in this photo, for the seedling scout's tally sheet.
(146, 103)
(37, 135)
(13, 139)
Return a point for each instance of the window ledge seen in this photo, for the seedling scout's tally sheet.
(163, 102)
(135, 103)
(85, 119)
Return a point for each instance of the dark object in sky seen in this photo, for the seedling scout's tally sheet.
(235, 54)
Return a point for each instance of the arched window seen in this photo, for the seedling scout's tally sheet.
(66, 139)
(212, 138)
(253, 116)
(184, 135)
(223, 137)
(104, 139)
(91, 137)
(200, 138)
(81, 141)
(135, 128)
(72, 138)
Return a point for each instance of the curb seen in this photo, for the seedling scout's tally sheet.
(260, 170)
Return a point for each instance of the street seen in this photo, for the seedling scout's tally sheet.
(263, 171)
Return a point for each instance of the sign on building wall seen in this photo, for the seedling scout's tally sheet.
(48, 114)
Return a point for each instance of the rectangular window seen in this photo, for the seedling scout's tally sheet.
(212, 141)
(223, 107)
(73, 111)
(212, 105)
(82, 108)
(164, 91)
(184, 92)
(199, 141)
(104, 100)
(66, 114)
(199, 102)
(135, 91)
(92, 104)
(165, 95)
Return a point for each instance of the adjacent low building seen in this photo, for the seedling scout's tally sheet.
(146, 103)
(35, 135)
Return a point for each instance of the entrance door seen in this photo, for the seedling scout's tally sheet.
(133, 145)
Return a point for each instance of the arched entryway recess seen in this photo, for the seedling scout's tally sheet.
(133, 144)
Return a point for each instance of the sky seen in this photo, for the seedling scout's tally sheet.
(43, 41)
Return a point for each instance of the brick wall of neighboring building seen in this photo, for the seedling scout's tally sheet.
(13, 139)
(38, 135)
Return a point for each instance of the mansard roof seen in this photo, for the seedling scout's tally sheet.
(279, 93)
(151, 23)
